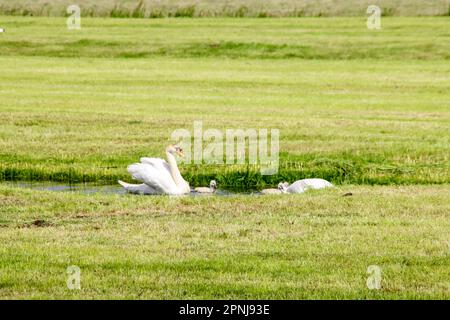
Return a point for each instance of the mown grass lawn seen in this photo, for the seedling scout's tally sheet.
(353, 106)
(316, 245)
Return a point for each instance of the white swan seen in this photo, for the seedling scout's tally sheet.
(301, 186)
(212, 188)
(137, 188)
(158, 176)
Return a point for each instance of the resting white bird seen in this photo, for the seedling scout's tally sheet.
(212, 188)
(2, 30)
(301, 186)
(158, 176)
(271, 191)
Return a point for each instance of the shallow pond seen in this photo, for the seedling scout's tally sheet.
(92, 188)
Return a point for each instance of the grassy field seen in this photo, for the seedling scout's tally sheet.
(224, 8)
(317, 245)
(360, 108)
(352, 106)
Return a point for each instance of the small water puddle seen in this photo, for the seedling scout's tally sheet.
(93, 188)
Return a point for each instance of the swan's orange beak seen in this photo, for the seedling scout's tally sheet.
(180, 152)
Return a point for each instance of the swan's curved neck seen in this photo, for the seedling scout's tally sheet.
(176, 175)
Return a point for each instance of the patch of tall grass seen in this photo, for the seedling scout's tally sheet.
(244, 177)
(223, 8)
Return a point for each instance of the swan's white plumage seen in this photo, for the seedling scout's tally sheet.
(301, 186)
(156, 176)
(156, 162)
(137, 188)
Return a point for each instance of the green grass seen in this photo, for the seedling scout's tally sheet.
(353, 106)
(223, 8)
(317, 245)
(281, 39)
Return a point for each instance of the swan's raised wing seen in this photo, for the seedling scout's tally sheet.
(157, 177)
(156, 162)
(161, 165)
